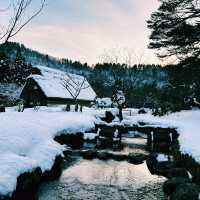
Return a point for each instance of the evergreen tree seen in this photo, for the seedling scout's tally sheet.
(20, 69)
(176, 28)
(4, 67)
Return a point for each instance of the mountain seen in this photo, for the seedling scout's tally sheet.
(36, 58)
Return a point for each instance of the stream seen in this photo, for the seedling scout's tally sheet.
(99, 179)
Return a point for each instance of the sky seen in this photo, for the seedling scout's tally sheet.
(87, 30)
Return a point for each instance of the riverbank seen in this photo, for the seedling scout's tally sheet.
(27, 139)
(186, 123)
(105, 177)
(27, 142)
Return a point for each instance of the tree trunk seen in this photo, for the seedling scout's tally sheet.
(76, 107)
(81, 108)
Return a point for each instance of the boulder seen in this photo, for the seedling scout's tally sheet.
(75, 141)
(152, 162)
(165, 165)
(2, 109)
(119, 157)
(136, 158)
(55, 171)
(109, 117)
(102, 155)
(142, 111)
(67, 152)
(27, 185)
(187, 191)
(177, 172)
(170, 186)
(89, 154)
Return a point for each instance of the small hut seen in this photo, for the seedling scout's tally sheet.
(54, 87)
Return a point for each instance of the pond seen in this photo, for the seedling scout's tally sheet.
(97, 179)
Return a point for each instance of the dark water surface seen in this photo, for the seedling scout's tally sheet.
(107, 180)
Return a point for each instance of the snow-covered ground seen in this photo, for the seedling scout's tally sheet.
(186, 122)
(26, 141)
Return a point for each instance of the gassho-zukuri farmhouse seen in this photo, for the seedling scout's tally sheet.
(47, 86)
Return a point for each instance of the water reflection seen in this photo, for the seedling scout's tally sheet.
(96, 179)
(109, 173)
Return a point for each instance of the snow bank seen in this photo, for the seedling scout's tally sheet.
(26, 141)
(186, 122)
(90, 136)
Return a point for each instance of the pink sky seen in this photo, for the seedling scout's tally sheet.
(84, 29)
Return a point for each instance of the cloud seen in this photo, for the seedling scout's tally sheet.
(83, 29)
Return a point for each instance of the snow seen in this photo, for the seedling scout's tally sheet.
(162, 157)
(104, 102)
(26, 141)
(90, 136)
(186, 122)
(10, 90)
(53, 83)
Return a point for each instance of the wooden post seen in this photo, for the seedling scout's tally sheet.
(68, 107)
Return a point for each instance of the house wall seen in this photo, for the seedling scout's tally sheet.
(33, 95)
(60, 101)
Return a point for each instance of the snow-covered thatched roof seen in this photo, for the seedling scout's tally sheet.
(59, 84)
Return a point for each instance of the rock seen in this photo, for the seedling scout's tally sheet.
(142, 111)
(165, 165)
(27, 185)
(161, 147)
(75, 141)
(109, 117)
(152, 162)
(187, 191)
(5, 197)
(102, 155)
(163, 168)
(171, 185)
(136, 158)
(2, 109)
(55, 171)
(119, 157)
(177, 172)
(67, 152)
(89, 154)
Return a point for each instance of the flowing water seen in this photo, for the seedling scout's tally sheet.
(96, 179)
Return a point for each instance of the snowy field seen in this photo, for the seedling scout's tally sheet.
(26, 141)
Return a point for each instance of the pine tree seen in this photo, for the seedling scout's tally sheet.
(20, 69)
(176, 28)
(4, 68)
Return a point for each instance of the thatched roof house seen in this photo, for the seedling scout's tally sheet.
(51, 86)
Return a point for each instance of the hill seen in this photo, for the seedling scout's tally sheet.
(142, 84)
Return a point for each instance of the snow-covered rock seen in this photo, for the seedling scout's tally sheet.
(27, 141)
(186, 122)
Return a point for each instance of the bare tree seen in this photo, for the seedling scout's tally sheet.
(131, 62)
(129, 58)
(74, 86)
(19, 18)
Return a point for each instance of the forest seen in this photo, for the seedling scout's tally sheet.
(168, 88)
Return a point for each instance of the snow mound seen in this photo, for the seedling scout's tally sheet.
(27, 141)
